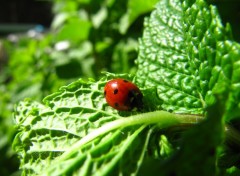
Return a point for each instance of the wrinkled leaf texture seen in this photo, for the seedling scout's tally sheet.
(188, 54)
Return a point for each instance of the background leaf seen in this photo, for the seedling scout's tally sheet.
(135, 9)
(76, 30)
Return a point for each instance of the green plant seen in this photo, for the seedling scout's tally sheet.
(188, 70)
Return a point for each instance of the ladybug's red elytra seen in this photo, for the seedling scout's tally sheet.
(123, 95)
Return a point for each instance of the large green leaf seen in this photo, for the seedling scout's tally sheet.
(186, 52)
(76, 132)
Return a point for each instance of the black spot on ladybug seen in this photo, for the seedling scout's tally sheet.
(116, 104)
(115, 91)
(105, 93)
(125, 80)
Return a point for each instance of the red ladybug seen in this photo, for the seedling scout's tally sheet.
(123, 95)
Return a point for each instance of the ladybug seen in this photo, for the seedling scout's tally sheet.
(123, 95)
